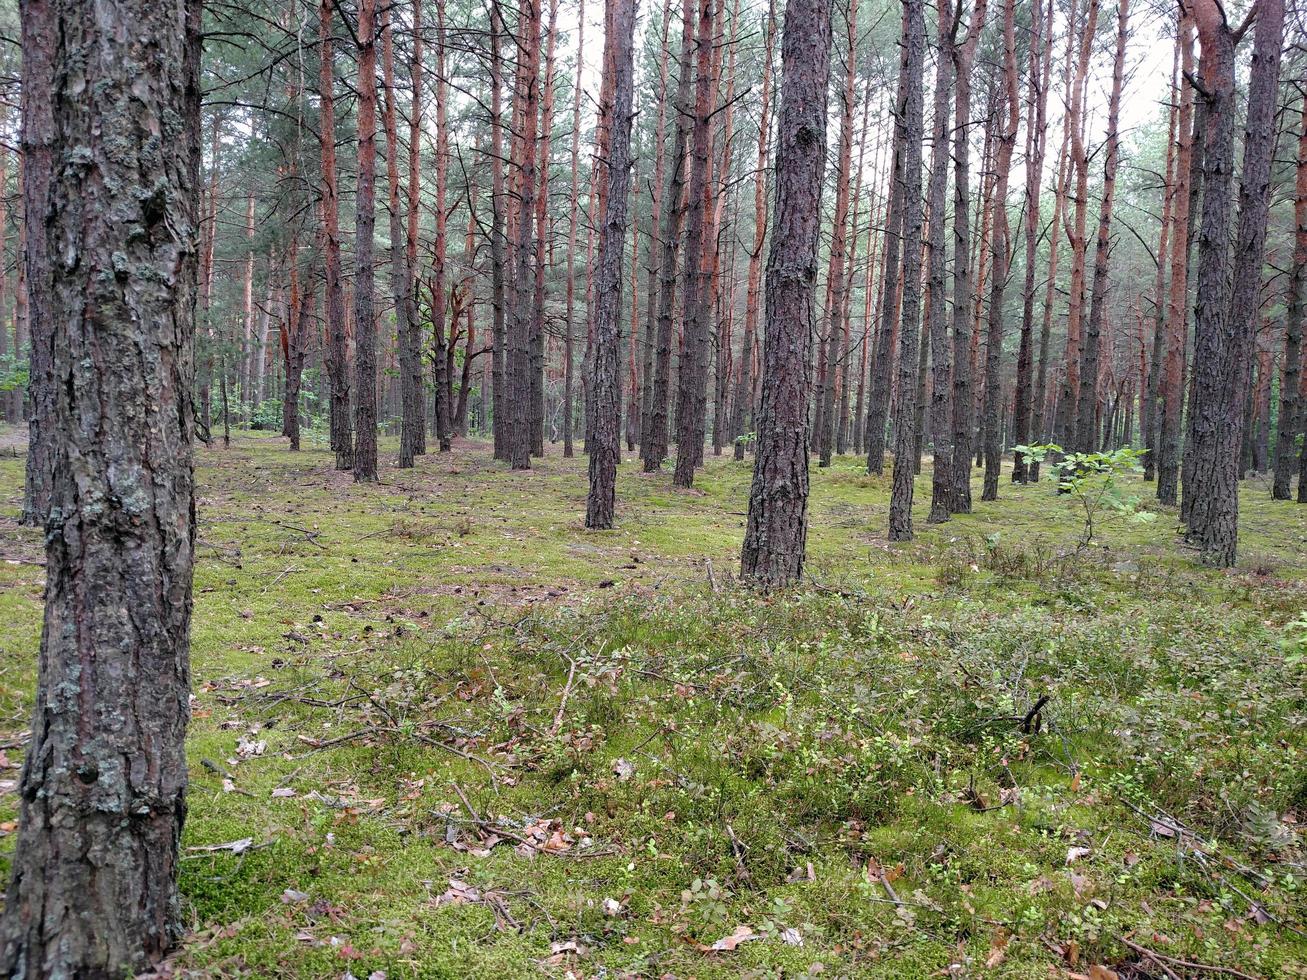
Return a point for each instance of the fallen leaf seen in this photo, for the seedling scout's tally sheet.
(741, 934)
(1074, 854)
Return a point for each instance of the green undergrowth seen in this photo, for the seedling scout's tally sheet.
(440, 730)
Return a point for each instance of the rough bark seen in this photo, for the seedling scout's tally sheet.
(773, 551)
(37, 133)
(605, 384)
(102, 796)
(1225, 314)
(656, 188)
(692, 388)
(905, 438)
(537, 348)
(498, 237)
(1150, 415)
(341, 431)
(937, 300)
(519, 329)
(365, 327)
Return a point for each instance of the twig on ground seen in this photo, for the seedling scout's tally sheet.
(1161, 958)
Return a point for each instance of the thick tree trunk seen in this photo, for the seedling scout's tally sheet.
(1291, 408)
(102, 798)
(1225, 313)
(905, 437)
(605, 384)
(773, 551)
(692, 393)
(365, 327)
(656, 188)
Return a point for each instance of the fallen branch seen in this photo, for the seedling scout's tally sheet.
(1161, 958)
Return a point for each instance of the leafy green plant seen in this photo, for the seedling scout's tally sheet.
(1095, 481)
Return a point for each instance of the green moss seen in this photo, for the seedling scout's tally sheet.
(781, 747)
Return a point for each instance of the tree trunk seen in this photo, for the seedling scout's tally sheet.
(835, 331)
(1002, 250)
(365, 327)
(1291, 409)
(520, 327)
(1172, 387)
(937, 320)
(605, 384)
(102, 797)
(37, 164)
(905, 437)
(342, 438)
(1225, 313)
(692, 394)
(743, 415)
(499, 367)
(964, 56)
(537, 351)
(1041, 62)
(1087, 403)
(653, 444)
(655, 225)
(1150, 415)
(412, 414)
(773, 551)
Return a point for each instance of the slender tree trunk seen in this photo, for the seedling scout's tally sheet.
(744, 381)
(573, 214)
(542, 216)
(1087, 400)
(883, 364)
(605, 384)
(905, 437)
(835, 331)
(692, 391)
(342, 438)
(964, 56)
(1002, 250)
(519, 337)
(498, 203)
(1150, 414)
(655, 226)
(38, 19)
(937, 320)
(1041, 61)
(93, 887)
(412, 414)
(1067, 416)
(1291, 408)
(365, 327)
(1168, 456)
(1225, 313)
(774, 541)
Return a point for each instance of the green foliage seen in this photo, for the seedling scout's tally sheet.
(1095, 482)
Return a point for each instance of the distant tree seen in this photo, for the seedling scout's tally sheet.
(1291, 407)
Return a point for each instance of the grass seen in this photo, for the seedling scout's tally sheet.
(463, 737)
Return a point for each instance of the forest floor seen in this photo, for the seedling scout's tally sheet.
(440, 730)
